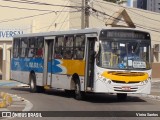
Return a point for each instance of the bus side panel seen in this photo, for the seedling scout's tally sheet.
(62, 71)
(22, 67)
(61, 81)
(39, 79)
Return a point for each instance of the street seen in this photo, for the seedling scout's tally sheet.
(59, 101)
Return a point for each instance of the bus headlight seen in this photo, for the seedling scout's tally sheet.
(109, 81)
(145, 82)
(103, 78)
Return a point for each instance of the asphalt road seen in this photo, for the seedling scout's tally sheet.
(60, 101)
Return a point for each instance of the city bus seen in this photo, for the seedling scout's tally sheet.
(93, 60)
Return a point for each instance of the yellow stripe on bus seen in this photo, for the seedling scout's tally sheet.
(126, 76)
(74, 66)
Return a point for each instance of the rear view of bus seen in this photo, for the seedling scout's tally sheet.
(123, 62)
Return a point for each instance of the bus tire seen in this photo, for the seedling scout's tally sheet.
(121, 96)
(32, 84)
(79, 95)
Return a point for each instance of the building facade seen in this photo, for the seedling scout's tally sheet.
(132, 3)
(153, 5)
(142, 4)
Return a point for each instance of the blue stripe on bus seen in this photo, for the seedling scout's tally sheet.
(35, 64)
(55, 67)
(27, 64)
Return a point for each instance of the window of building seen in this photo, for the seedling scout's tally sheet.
(79, 46)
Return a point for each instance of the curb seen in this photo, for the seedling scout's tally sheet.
(155, 97)
(149, 96)
(6, 100)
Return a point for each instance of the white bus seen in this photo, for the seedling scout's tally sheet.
(108, 60)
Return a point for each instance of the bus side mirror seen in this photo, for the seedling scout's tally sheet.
(96, 47)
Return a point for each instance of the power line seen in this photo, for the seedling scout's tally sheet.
(137, 18)
(144, 16)
(57, 17)
(20, 18)
(53, 25)
(130, 10)
(39, 3)
(63, 22)
(141, 26)
(32, 9)
(122, 21)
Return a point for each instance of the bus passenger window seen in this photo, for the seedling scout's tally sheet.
(32, 50)
(59, 46)
(40, 44)
(79, 46)
(68, 47)
(24, 46)
(68, 52)
(58, 54)
(79, 53)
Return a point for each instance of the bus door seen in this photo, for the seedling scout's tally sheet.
(90, 58)
(48, 60)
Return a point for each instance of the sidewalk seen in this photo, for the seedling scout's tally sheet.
(18, 104)
(11, 83)
(155, 89)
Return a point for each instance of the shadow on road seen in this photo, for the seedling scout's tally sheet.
(89, 97)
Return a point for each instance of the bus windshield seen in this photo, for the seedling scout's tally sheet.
(124, 54)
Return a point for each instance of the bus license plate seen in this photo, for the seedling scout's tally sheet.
(126, 88)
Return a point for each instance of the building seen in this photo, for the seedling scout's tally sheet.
(132, 3)
(142, 4)
(153, 5)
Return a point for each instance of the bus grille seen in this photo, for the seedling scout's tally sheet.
(116, 81)
(120, 89)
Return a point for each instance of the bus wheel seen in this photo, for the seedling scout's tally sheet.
(121, 96)
(78, 93)
(33, 87)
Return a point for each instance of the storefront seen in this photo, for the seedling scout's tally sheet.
(5, 51)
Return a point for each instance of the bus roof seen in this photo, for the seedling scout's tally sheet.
(75, 31)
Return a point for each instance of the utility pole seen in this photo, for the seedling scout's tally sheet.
(85, 14)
